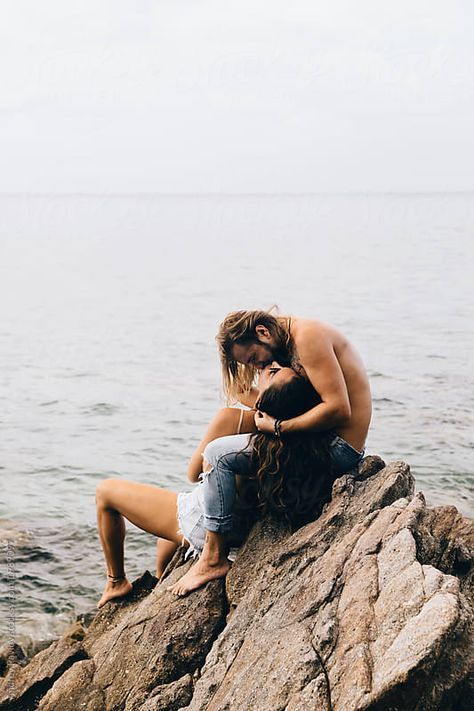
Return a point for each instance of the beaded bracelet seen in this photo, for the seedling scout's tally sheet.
(277, 428)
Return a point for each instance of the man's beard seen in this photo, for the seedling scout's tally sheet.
(281, 355)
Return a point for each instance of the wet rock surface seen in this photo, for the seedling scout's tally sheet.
(369, 607)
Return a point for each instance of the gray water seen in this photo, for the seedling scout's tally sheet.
(109, 307)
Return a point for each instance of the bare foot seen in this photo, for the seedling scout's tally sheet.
(114, 589)
(200, 574)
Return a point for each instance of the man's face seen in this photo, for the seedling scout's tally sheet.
(258, 354)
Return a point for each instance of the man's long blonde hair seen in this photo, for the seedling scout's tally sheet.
(239, 327)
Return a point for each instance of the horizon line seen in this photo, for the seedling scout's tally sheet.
(233, 194)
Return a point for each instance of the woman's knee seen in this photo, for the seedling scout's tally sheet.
(104, 491)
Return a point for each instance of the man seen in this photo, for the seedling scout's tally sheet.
(250, 340)
(253, 343)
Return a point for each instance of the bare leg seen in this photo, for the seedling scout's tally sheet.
(212, 564)
(165, 550)
(152, 509)
(111, 525)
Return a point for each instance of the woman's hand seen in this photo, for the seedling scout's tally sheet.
(264, 423)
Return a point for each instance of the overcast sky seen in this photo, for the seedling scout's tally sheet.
(236, 95)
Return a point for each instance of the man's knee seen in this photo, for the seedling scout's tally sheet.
(226, 453)
(214, 451)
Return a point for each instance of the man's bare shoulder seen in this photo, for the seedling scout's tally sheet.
(304, 329)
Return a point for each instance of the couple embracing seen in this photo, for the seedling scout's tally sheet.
(310, 409)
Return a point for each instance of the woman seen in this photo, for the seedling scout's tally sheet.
(289, 479)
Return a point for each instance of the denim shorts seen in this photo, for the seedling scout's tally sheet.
(191, 524)
(191, 520)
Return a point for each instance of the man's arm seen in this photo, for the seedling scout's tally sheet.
(316, 354)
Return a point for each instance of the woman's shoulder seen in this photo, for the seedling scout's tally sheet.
(236, 420)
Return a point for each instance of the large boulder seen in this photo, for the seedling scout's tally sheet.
(134, 650)
(368, 607)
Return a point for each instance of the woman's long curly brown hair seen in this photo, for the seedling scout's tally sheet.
(292, 475)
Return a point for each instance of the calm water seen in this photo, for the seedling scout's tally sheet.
(108, 364)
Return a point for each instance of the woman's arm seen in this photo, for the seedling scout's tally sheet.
(225, 422)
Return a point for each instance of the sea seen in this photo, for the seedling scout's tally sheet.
(109, 309)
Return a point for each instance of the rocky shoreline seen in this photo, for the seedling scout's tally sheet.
(368, 608)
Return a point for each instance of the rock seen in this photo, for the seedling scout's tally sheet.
(445, 539)
(170, 697)
(144, 647)
(369, 608)
(75, 690)
(11, 654)
(252, 556)
(23, 687)
(343, 615)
